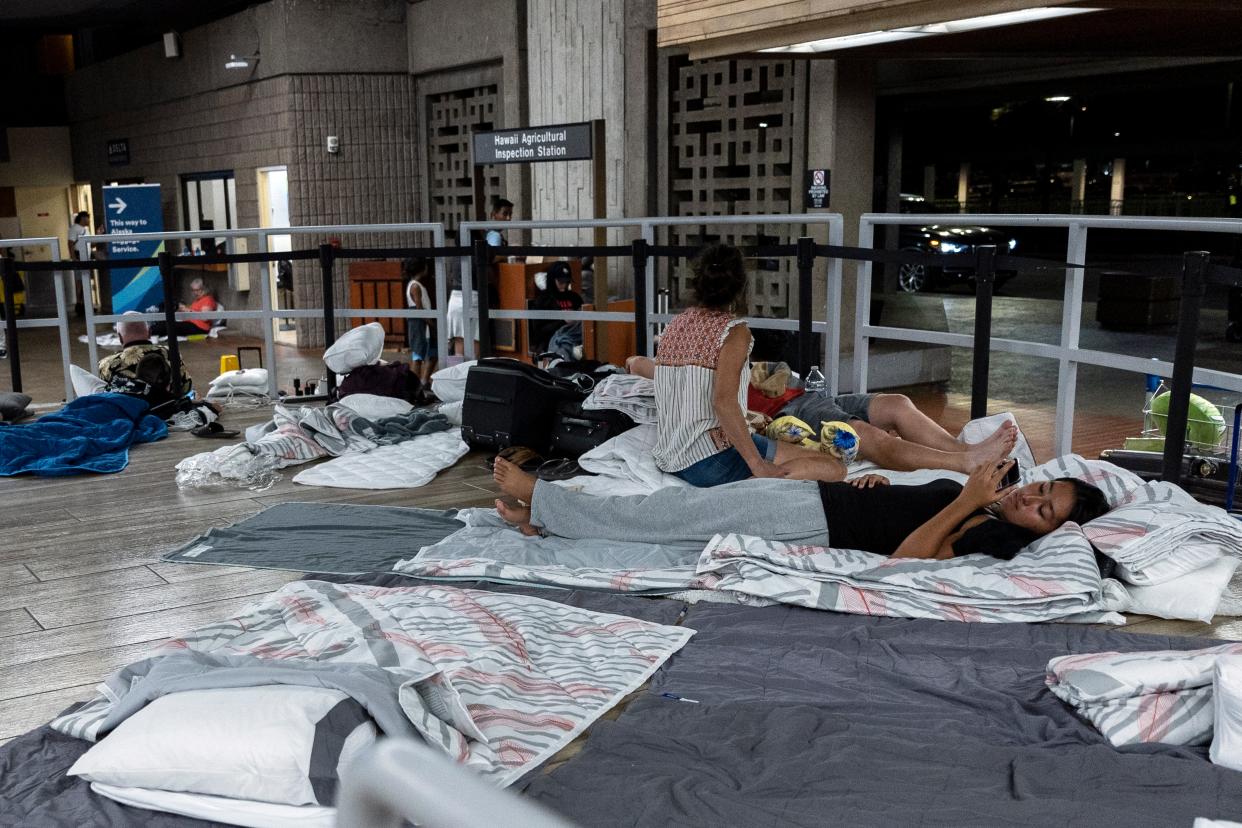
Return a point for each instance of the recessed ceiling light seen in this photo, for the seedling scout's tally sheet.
(1057, 98)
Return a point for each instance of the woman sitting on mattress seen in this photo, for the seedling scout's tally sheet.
(941, 519)
(701, 377)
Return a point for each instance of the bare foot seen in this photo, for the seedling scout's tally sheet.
(513, 481)
(516, 514)
(994, 447)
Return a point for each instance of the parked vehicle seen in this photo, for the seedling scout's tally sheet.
(948, 239)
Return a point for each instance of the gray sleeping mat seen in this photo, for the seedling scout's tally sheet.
(337, 538)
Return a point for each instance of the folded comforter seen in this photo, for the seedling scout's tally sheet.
(498, 682)
(90, 434)
(1132, 698)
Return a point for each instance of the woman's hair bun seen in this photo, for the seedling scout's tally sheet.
(719, 279)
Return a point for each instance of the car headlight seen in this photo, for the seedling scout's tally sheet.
(953, 247)
(1012, 244)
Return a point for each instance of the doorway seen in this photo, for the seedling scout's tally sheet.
(274, 212)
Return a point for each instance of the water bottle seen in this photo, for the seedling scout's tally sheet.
(815, 382)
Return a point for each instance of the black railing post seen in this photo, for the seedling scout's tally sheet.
(482, 267)
(985, 279)
(1194, 274)
(327, 263)
(641, 253)
(168, 281)
(806, 340)
(8, 275)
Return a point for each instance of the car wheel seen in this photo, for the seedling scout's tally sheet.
(1233, 332)
(912, 278)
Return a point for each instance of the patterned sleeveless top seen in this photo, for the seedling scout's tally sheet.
(685, 378)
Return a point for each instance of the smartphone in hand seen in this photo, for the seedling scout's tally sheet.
(1011, 477)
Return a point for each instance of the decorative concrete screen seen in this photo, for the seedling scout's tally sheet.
(732, 153)
(452, 117)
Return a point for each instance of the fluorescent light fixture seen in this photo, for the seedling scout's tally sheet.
(1057, 98)
(969, 24)
(235, 62)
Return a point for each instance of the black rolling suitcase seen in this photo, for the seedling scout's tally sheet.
(510, 403)
(576, 431)
(1205, 478)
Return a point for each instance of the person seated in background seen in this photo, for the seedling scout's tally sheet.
(941, 519)
(142, 368)
(554, 335)
(892, 432)
(201, 302)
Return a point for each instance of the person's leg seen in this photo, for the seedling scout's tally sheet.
(808, 464)
(771, 509)
(897, 412)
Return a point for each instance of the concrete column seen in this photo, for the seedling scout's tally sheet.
(1117, 192)
(929, 183)
(892, 178)
(841, 137)
(1079, 190)
(963, 186)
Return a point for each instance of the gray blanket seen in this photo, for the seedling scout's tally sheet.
(35, 793)
(811, 718)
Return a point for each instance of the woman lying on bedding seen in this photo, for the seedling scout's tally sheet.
(940, 519)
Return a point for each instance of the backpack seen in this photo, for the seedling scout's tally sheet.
(392, 379)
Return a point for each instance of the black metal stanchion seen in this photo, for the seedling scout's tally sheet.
(985, 279)
(806, 341)
(8, 277)
(640, 256)
(482, 265)
(327, 263)
(169, 282)
(1194, 276)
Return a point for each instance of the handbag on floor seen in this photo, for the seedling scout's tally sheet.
(576, 430)
(510, 403)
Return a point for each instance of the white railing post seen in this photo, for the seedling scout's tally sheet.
(862, 307)
(265, 303)
(1071, 324)
(62, 321)
(647, 232)
(442, 293)
(832, 316)
(467, 291)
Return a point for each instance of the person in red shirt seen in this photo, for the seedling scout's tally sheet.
(202, 302)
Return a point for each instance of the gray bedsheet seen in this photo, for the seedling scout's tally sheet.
(341, 538)
(34, 791)
(811, 718)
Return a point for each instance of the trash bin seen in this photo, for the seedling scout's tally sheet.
(1133, 303)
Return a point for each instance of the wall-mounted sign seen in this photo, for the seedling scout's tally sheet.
(118, 152)
(818, 188)
(134, 208)
(565, 142)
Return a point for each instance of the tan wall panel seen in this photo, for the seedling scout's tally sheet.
(716, 27)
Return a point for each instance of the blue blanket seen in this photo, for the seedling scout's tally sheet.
(90, 434)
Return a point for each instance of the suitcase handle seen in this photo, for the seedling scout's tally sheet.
(591, 424)
(474, 395)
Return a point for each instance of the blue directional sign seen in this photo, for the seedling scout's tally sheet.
(134, 208)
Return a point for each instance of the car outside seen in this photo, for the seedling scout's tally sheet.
(948, 239)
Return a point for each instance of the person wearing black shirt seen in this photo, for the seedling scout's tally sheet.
(553, 335)
(941, 519)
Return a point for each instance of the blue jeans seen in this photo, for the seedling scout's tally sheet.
(726, 466)
(564, 340)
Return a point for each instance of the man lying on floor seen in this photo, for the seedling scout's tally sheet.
(941, 519)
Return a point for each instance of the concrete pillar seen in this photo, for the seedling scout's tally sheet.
(1079, 189)
(1117, 192)
(841, 138)
(929, 184)
(892, 177)
(963, 186)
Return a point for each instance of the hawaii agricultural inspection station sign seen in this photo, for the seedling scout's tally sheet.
(564, 142)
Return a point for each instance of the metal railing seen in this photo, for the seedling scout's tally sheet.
(13, 324)
(646, 317)
(1068, 353)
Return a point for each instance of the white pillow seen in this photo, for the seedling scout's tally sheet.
(449, 384)
(275, 743)
(228, 810)
(1226, 747)
(84, 382)
(1190, 597)
(375, 407)
(357, 347)
(241, 378)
